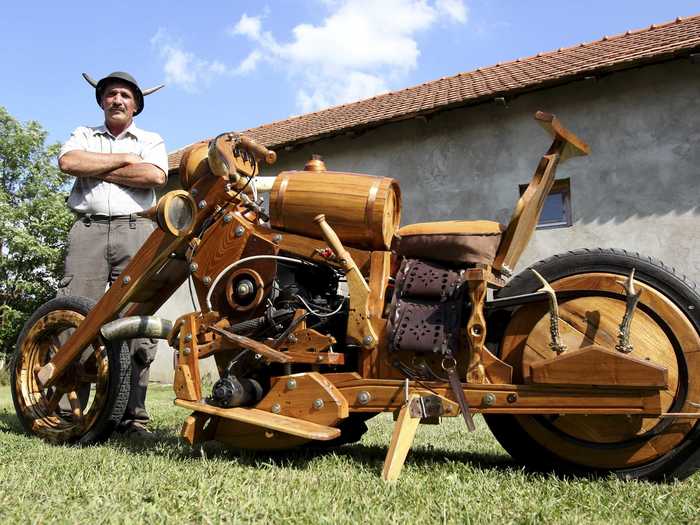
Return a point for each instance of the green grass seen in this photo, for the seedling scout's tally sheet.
(450, 477)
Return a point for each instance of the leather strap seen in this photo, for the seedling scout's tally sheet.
(456, 386)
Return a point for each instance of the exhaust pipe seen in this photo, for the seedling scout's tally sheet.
(137, 326)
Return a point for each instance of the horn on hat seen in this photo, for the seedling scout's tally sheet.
(152, 90)
(90, 80)
(145, 92)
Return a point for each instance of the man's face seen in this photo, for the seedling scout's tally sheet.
(118, 103)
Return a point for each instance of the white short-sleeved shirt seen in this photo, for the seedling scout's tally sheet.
(99, 197)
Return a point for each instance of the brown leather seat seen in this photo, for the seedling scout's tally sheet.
(450, 241)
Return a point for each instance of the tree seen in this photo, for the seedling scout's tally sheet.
(34, 224)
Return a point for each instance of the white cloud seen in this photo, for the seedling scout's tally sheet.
(182, 68)
(248, 26)
(454, 9)
(354, 52)
(358, 50)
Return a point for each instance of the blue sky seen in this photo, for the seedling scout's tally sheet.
(238, 64)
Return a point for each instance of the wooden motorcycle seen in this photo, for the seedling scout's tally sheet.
(321, 312)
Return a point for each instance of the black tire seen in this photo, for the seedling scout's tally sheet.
(512, 431)
(98, 381)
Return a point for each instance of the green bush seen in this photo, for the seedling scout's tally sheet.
(34, 223)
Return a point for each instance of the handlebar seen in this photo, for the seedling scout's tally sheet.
(259, 151)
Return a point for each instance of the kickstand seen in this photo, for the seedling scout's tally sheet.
(401, 440)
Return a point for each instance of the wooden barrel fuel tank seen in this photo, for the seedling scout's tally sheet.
(362, 209)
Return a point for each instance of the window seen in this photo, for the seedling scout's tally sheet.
(556, 212)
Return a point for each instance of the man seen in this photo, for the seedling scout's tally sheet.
(116, 168)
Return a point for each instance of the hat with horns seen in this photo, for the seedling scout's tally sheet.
(121, 76)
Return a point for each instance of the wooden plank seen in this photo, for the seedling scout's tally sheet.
(260, 418)
(594, 365)
(401, 441)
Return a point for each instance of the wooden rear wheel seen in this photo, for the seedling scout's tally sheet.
(664, 331)
(88, 400)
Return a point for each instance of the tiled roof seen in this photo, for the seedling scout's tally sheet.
(651, 44)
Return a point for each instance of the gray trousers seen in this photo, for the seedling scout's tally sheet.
(98, 251)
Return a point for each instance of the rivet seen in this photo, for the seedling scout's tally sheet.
(291, 383)
(206, 280)
(367, 340)
(239, 230)
(292, 338)
(277, 238)
(276, 408)
(488, 400)
(512, 398)
(202, 204)
(187, 350)
(364, 397)
(319, 358)
(318, 403)
(228, 218)
(193, 267)
(188, 338)
(172, 255)
(127, 279)
(193, 192)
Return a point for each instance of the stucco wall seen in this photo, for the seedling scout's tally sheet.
(638, 190)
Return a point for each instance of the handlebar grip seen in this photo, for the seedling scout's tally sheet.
(260, 152)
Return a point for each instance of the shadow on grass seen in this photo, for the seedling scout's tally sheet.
(370, 456)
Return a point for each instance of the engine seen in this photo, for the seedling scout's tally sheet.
(302, 294)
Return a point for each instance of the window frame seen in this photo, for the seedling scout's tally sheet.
(563, 187)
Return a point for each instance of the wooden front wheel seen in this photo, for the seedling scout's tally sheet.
(89, 399)
(664, 331)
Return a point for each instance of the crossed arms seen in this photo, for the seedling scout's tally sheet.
(126, 169)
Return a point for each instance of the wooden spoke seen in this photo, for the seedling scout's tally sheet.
(76, 409)
(52, 402)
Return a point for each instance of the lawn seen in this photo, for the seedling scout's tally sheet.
(450, 477)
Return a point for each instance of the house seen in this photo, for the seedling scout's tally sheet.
(463, 146)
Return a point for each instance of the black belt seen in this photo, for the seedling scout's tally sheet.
(88, 218)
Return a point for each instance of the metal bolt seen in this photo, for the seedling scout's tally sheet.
(277, 238)
(193, 192)
(239, 230)
(188, 338)
(512, 398)
(318, 403)
(291, 383)
(228, 218)
(172, 255)
(367, 340)
(202, 204)
(276, 408)
(194, 267)
(319, 358)
(292, 338)
(187, 350)
(206, 280)
(489, 400)
(364, 397)
(476, 330)
(127, 279)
